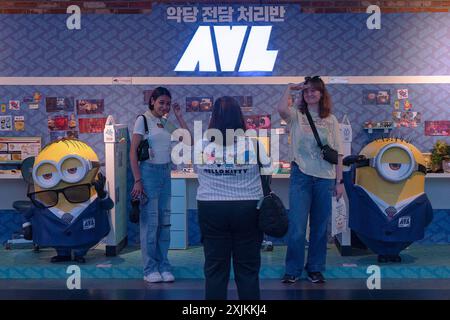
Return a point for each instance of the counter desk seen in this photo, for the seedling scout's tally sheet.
(184, 189)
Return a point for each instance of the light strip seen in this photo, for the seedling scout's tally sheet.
(79, 81)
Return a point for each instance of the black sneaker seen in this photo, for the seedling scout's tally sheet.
(57, 259)
(79, 259)
(382, 258)
(316, 277)
(395, 258)
(287, 278)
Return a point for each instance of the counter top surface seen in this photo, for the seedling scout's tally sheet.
(191, 175)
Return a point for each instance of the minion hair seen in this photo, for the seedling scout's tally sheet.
(393, 138)
(68, 142)
(401, 139)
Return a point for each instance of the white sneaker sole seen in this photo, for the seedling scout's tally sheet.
(153, 280)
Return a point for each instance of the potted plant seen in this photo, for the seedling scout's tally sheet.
(439, 154)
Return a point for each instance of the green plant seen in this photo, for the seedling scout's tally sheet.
(440, 151)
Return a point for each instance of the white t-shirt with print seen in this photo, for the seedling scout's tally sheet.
(219, 181)
(304, 150)
(159, 136)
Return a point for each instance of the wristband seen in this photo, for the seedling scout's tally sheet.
(138, 180)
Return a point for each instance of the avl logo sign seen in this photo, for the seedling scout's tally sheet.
(229, 42)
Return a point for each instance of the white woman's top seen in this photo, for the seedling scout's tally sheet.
(159, 137)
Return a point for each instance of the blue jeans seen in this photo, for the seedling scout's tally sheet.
(311, 196)
(155, 217)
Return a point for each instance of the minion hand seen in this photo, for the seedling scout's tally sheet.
(351, 159)
(99, 186)
(27, 232)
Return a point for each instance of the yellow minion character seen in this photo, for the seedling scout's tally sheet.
(386, 189)
(70, 205)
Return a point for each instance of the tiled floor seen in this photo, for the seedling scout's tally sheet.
(423, 274)
(419, 262)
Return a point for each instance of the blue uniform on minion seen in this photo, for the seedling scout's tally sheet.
(389, 209)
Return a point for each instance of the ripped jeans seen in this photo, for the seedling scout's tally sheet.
(155, 217)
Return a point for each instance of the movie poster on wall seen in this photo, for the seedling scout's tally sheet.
(90, 106)
(72, 123)
(58, 104)
(91, 125)
(19, 123)
(376, 97)
(14, 105)
(415, 118)
(370, 96)
(437, 128)
(257, 122)
(33, 101)
(5, 123)
(58, 122)
(199, 104)
(246, 103)
(402, 94)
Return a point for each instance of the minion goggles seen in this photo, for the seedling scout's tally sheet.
(73, 174)
(392, 172)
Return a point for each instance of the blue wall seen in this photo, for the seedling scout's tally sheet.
(149, 45)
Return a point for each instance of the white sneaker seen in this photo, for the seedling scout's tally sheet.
(153, 277)
(167, 276)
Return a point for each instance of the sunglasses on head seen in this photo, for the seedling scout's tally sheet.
(312, 78)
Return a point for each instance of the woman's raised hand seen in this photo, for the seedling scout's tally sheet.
(177, 109)
(296, 86)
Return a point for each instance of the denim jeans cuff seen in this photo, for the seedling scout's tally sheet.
(293, 273)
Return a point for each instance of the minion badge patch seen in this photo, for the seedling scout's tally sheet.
(88, 223)
(404, 222)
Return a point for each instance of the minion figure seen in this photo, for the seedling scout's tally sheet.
(389, 209)
(70, 205)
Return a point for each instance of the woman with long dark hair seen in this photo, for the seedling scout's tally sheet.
(227, 198)
(152, 183)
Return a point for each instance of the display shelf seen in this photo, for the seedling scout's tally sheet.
(10, 162)
(191, 175)
(385, 130)
(438, 175)
(10, 176)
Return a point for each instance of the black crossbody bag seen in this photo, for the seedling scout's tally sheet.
(142, 149)
(328, 153)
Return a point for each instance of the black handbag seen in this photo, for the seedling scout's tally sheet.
(142, 149)
(328, 153)
(272, 219)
